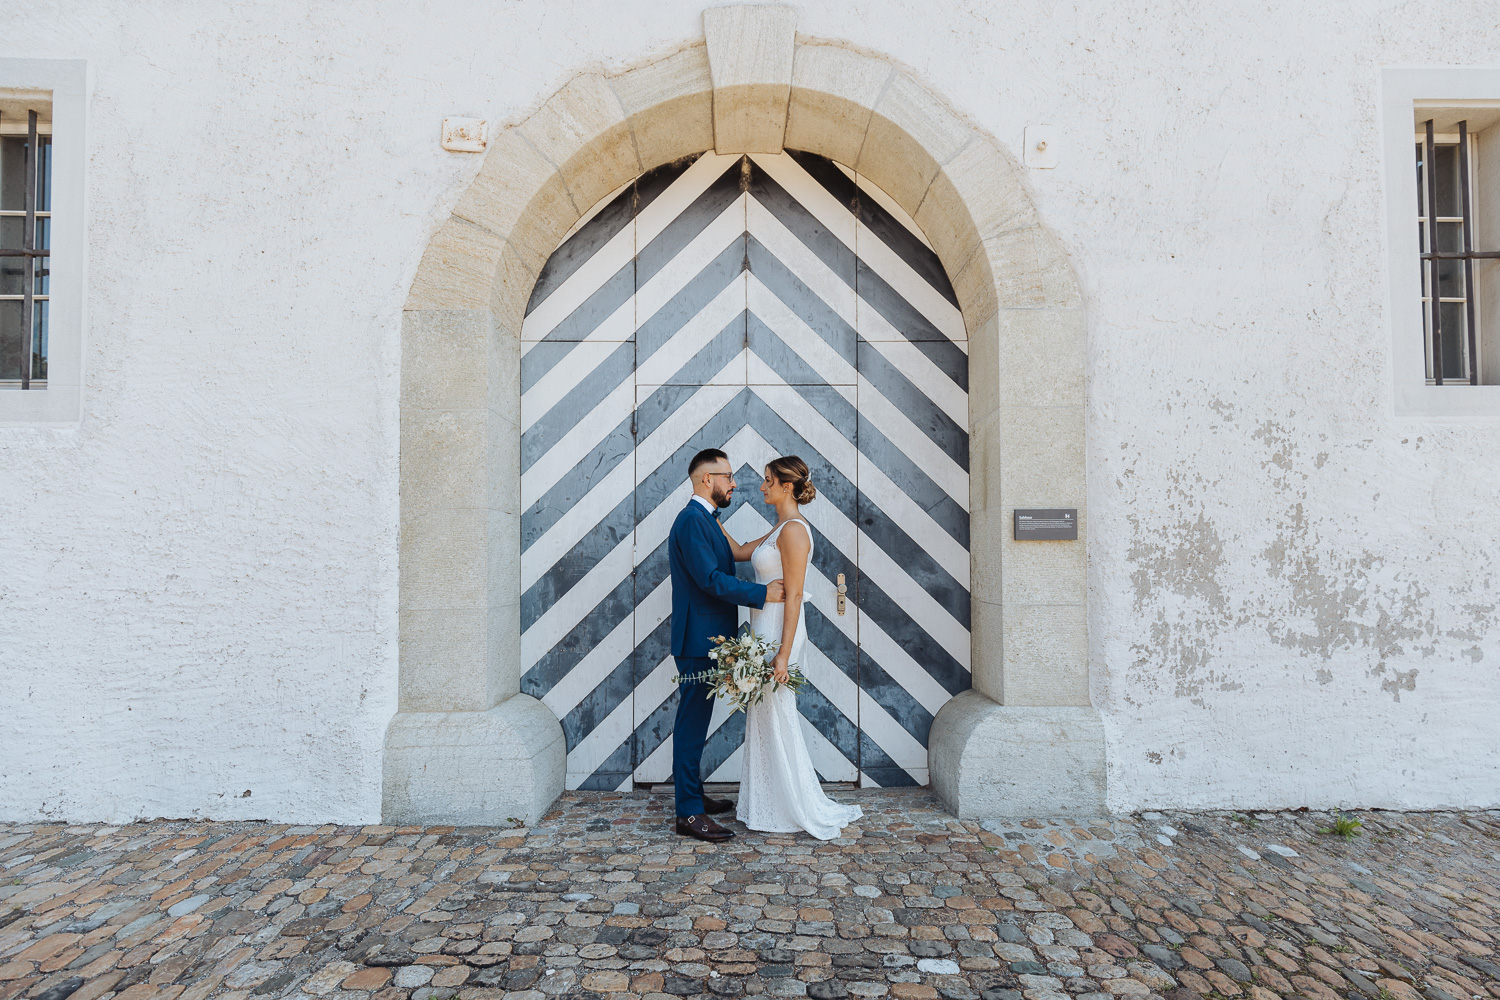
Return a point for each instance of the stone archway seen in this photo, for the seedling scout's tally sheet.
(465, 746)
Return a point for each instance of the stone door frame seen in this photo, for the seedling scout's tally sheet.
(465, 747)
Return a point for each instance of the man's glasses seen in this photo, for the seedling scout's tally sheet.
(727, 475)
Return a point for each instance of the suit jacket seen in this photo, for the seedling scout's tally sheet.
(705, 591)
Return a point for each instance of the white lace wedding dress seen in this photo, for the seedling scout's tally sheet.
(779, 791)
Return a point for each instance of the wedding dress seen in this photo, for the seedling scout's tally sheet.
(779, 790)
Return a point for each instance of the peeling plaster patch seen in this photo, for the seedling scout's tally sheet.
(1183, 560)
(1195, 587)
(1401, 680)
(1279, 439)
(1186, 564)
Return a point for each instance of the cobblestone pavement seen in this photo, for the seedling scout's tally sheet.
(603, 900)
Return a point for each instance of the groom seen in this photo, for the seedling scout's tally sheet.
(705, 592)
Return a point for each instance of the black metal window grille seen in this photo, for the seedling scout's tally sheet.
(25, 238)
(1445, 214)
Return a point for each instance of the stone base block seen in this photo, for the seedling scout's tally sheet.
(473, 768)
(988, 760)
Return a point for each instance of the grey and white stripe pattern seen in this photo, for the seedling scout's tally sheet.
(767, 305)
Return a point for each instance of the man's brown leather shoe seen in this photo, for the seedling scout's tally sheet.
(714, 806)
(702, 828)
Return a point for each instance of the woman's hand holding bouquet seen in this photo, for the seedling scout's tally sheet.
(746, 666)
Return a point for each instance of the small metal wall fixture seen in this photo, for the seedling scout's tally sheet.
(1040, 146)
(464, 135)
(841, 591)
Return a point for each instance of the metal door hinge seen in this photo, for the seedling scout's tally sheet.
(842, 590)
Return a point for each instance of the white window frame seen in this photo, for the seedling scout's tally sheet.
(64, 83)
(10, 127)
(1404, 92)
(1419, 138)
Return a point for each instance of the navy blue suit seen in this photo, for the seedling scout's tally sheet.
(705, 596)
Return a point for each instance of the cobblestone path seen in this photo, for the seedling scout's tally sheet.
(602, 900)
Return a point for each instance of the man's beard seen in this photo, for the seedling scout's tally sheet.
(720, 497)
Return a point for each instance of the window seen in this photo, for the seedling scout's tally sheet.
(1442, 187)
(1446, 196)
(25, 218)
(45, 387)
(56, 90)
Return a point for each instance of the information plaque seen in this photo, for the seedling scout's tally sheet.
(1047, 524)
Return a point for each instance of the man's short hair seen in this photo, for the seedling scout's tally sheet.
(708, 456)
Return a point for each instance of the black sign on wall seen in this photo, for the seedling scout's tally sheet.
(1046, 524)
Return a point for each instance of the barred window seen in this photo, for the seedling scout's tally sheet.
(1456, 278)
(25, 238)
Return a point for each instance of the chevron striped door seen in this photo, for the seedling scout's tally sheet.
(767, 305)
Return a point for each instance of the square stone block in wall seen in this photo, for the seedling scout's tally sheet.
(1015, 258)
(1059, 283)
(503, 631)
(669, 105)
(443, 460)
(444, 559)
(976, 206)
(985, 359)
(987, 639)
(911, 133)
(1026, 572)
(443, 358)
(985, 469)
(458, 267)
(515, 176)
(444, 660)
(833, 90)
(503, 464)
(1041, 356)
(504, 564)
(1042, 456)
(986, 543)
(1050, 572)
(504, 355)
(896, 164)
(975, 285)
(582, 129)
(1046, 654)
(515, 276)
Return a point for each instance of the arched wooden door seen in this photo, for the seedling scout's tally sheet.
(767, 305)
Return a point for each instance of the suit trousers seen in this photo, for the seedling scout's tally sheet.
(695, 706)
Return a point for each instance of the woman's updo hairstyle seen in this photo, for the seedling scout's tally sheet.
(789, 470)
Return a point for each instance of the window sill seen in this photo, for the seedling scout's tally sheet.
(1448, 400)
(55, 406)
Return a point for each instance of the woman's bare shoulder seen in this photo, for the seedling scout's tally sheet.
(796, 535)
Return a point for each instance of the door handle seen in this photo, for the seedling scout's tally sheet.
(842, 590)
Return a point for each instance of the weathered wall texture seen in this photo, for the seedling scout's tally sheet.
(1293, 593)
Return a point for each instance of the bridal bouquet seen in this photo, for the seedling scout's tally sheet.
(741, 673)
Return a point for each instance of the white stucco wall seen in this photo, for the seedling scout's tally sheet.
(1293, 592)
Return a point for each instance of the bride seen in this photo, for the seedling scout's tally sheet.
(779, 790)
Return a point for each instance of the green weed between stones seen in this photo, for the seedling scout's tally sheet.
(1343, 826)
